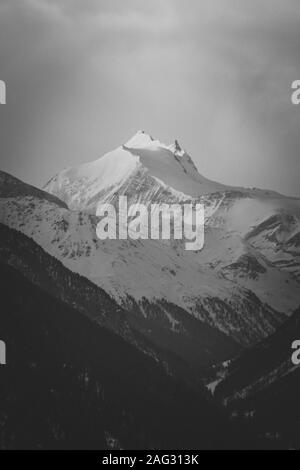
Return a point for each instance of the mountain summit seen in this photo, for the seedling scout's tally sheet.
(140, 139)
(141, 156)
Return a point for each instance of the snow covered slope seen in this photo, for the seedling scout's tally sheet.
(169, 295)
(244, 280)
(82, 187)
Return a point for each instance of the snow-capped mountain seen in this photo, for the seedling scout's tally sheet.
(252, 235)
(241, 283)
(131, 166)
(140, 164)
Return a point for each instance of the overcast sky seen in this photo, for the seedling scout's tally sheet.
(83, 76)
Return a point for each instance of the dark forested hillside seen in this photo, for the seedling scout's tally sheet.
(188, 355)
(70, 383)
(79, 375)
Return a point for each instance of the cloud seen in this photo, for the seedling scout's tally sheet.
(216, 74)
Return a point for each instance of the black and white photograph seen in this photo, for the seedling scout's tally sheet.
(149, 227)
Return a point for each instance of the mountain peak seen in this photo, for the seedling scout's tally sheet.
(140, 139)
(169, 166)
(177, 149)
(177, 146)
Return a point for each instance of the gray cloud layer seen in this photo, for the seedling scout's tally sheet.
(83, 76)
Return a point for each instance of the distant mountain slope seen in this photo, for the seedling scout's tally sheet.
(69, 383)
(11, 187)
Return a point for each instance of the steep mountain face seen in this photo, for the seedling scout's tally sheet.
(252, 235)
(70, 383)
(142, 159)
(139, 164)
(261, 387)
(242, 282)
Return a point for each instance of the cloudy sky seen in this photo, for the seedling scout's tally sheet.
(83, 76)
